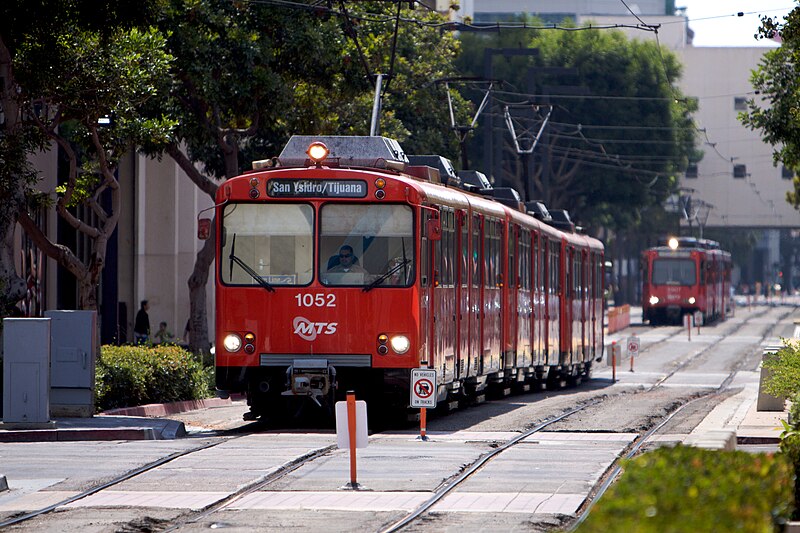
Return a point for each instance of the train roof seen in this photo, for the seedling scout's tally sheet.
(432, 175)
(690, 242)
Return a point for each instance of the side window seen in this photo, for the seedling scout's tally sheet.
(425, 255)
(476, 252)
(464, 252)
(488, 254)
(512, 265)
(555, 279)
(492, 245)
(451, 248)
(524, 259)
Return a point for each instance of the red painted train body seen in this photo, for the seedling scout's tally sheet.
(482, 292)
(687, 276)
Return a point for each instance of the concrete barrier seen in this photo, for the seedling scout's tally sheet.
(614, 354)
(768, 402)
(619, 318)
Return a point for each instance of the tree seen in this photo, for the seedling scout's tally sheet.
(89, 108)
(63, 66)
(615, 140)
(777, 110)
(247, 76)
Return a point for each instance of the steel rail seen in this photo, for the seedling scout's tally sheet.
(124, 477)
(266, 480)
(442, 491)
(615, 468)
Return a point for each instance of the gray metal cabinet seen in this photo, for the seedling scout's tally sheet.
(73, 337)
(26, 376)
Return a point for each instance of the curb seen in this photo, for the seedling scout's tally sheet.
(72, 435)
(758, 440)
(156, 410)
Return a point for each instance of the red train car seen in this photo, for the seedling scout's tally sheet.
(685, 276)
(340, 266)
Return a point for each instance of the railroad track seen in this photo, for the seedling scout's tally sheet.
(615, 469)
(444, 489)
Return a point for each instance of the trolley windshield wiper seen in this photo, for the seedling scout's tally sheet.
(383, 277)
(253, 274)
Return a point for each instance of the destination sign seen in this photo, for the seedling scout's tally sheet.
(284, 188)
(674, 254)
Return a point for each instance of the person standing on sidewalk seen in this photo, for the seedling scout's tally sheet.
(141, 328)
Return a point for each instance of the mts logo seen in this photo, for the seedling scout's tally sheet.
(309, 330)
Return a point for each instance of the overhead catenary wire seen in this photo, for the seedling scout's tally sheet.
(452, 25)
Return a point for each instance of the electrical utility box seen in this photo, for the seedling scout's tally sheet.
(73, 348)
(26, 372)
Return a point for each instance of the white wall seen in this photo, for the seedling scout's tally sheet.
(716, 76)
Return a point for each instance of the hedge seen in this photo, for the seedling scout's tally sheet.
(686, 489)
(128, 376)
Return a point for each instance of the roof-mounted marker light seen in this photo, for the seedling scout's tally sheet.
(673, 243)
(317, 152)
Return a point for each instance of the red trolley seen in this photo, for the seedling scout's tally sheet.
(341, 266)
(684, 276)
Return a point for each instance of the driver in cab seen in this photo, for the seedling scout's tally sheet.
(347, 270)
(347, 262)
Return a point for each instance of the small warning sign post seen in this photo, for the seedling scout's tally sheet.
(633, 345)
(423, 387)
(633, 348)
(423, 395)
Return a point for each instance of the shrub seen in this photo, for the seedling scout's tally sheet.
(691, 489)
(784, 366)
(136, 375)
(790, 447)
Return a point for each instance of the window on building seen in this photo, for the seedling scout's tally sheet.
(786, 173)
(739, 171)
(691, 170)
(740, 103)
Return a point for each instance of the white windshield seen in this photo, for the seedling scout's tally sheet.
(274, 240)
(359, 244)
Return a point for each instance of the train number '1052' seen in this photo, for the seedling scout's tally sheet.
(316, 300)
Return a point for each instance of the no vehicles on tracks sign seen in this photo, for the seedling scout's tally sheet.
(423, 387)
(633, 346)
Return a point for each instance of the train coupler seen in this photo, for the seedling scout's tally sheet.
(313, 378)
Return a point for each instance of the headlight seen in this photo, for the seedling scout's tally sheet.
(232, 342)
(317, 151)
(653, 300)
(691, 300)
(400, 344)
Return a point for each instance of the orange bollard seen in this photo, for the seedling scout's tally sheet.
(351, 429)
(423, 423)
(689, 326)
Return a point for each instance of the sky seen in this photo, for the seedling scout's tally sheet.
(715, 22)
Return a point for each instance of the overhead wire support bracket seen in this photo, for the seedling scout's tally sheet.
(463, 131)
(516, 138)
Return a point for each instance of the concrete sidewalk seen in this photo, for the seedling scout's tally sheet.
(737, 422)
(146, 422)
